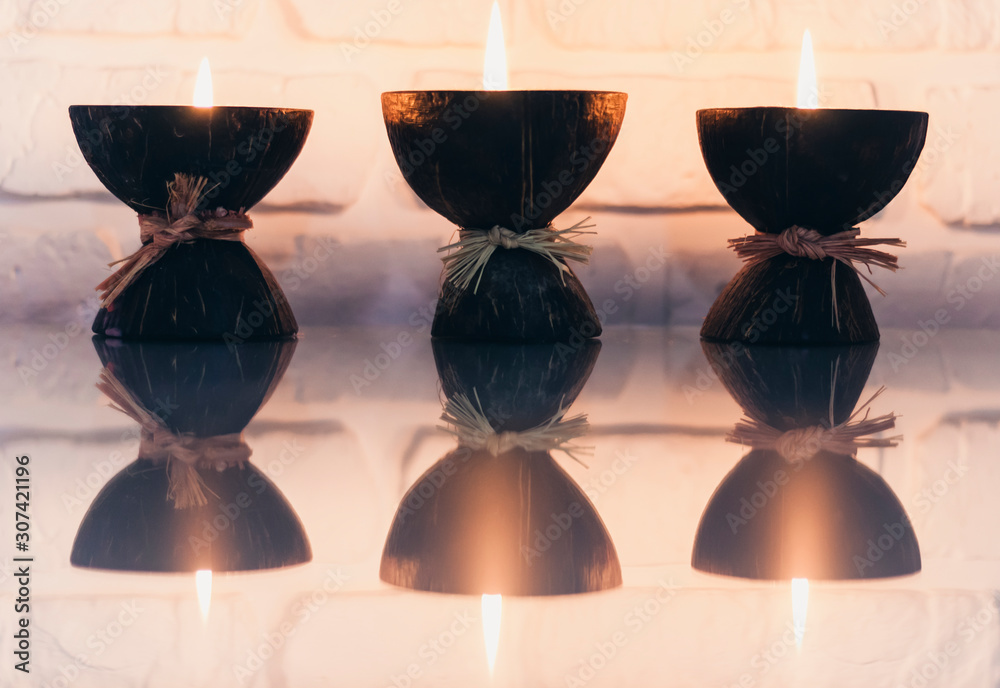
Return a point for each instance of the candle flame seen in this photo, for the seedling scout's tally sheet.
(203, 85)
(807, 94)
(492, 611)
(800, 605)
(203, 582)
(495, 64)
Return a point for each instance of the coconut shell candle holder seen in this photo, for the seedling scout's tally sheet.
(502, 165)
(191, 174)
(191, 500)
(800, 505)
(498, 515)
(803, 179)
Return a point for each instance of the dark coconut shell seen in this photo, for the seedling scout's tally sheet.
(824, 169)
(209, 388)
(788, 300)
(206, 290)
(788, 387)
(480, 157)
(519, 386)
(522, 297)
(135, 150)
(833, 519)
(514, 524)
(247, 525)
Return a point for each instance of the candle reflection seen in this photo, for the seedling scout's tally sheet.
(192, 500)
(799, 504)
(203, 584)
(800, 606)
(492, 613)
(498, 515)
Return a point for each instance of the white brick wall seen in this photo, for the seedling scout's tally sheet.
(672, 57)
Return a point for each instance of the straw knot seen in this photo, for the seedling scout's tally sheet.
(497, 444)
(802, 242)
(844, 247)
(475, 246)
(467, 422)
(503, 237)
(182, 452)
(181, 223)
(802, 444)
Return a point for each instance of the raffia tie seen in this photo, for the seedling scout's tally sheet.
(475, 246)
(182, 223)
(802, 444)
(845, 247)
(181, 452)
(469, 424)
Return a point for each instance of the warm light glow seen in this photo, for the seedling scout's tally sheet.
(800, 605)
(203, 581)
(495, 66)
(492, 611)
(807, 95)
(203, 86)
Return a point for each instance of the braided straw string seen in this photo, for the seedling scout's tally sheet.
(469, 424)
(475, 246)
(845, 247)
(801, 444)
(182, 223)
(182, 452)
